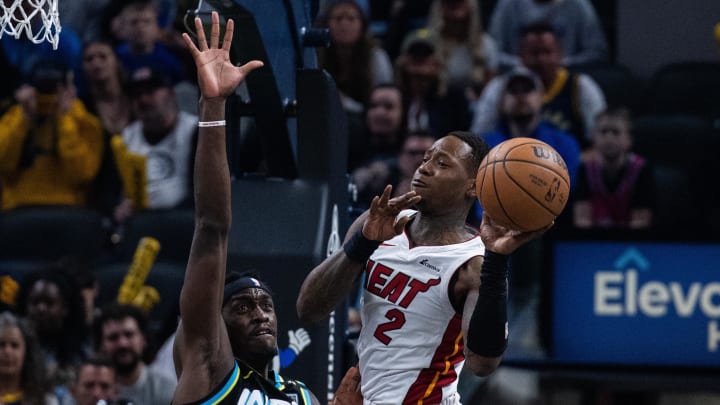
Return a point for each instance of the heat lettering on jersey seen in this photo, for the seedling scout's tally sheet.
(399, 289)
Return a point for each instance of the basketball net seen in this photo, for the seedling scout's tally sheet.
(39, 19)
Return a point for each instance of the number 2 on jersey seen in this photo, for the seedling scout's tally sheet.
(397, 320)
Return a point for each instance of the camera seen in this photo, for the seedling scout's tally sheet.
(47, 77)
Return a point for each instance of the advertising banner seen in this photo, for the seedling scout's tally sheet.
(636, 304)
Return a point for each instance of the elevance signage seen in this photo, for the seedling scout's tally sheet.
(636, 304)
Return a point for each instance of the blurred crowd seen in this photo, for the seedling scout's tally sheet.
(107, 125)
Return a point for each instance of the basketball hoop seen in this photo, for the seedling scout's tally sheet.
(39, 19)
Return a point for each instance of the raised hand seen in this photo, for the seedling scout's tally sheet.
(502, 240)
(217, 76)
(381, 223)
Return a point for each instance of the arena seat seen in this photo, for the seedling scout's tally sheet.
(172, 228)
(686, 88)
(676, 140)
(675, 201)
(619, 84)
(52, 232)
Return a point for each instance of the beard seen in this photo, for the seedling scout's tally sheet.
(521, 119)
(122, 364)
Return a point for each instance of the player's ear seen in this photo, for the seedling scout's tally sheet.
(470, 191)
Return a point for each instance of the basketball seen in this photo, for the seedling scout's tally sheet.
(523, 184)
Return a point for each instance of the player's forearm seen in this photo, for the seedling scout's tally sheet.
(326, 286)
(211, 173)
(486, 334)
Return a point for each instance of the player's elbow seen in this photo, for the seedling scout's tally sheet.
(305, 311)
(481, 366)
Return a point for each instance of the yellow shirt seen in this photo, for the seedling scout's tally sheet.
(68, 148)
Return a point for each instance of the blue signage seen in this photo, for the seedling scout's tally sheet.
(636, 304)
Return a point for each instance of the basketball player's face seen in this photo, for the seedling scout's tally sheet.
(252, 325)
(443, 180)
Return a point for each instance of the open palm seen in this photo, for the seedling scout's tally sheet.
(217, 76)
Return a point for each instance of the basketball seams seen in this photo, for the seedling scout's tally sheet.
(529, 194)
(529, 206)
(499, 200)
(538, 164)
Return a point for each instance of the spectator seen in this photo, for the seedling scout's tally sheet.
(163, 137)
(521, 115)
(353, 59)
(22, 370)
(575, 21)
(571, 101)
(615, 189)
(53, 303)
(121, 335)
(50, 146)
(469, 56)
(142, 46)
(430, 104)
(103, 90)
(384, 128)
(396, 18)
(94, 382)
(398, 170)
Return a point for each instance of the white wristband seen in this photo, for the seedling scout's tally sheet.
(206, 124)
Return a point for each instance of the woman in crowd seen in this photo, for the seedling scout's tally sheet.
(353, 59)
(53, 304)
(22, 370)
(469, 56)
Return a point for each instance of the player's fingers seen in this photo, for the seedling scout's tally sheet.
(351, 380)
(215, 30)
(401, 199)
(190, 44)
(227, 40)
(400, 224)
(374, 204)
(201, 40)
(385, 195)
(250, 66)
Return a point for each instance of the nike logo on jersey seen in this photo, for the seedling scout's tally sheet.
(399, 289)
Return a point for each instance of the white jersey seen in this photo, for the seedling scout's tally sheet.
(411, 343)
(168, 161)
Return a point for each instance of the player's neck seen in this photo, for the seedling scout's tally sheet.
(261, 367)
(426, 229)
